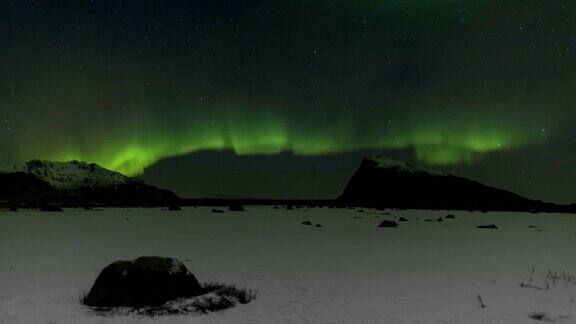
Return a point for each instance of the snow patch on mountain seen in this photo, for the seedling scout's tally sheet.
(398, 166)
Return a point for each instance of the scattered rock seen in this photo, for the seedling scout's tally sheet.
(306, 223)
(144, 281)
(539, 316)
(236, 207)
(318, 225)
(489, 226)
(50, 208)
(217, 211)
(450, 216)
(402, 219)
(388, 223)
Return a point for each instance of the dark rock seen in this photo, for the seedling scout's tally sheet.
(402, 219)
(388, 223)
(490, 226)
(532, 226)
(450, 216)
(13, 209)
(174, 208)
(440, 219)
(290, 207)
(318, 225)
(144, 281)
(359, 211)
(236, 207)
(306, 223)
(358, 217)
(217, 211)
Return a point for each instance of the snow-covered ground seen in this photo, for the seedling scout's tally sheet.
(350, 271)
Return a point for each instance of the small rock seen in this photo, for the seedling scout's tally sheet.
(450, 216)
(306, 223)
(217, 211)
(290, 207)
(50, 208)
(440, 219)
(236, 207)
(174, 208)
(402, 219)
(388, 223)
(489, 226)
(318, 225)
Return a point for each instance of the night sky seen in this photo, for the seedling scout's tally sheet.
(281, 98)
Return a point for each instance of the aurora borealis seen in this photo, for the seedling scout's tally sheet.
(459, 85)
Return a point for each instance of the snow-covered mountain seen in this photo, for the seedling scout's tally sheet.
(78, 183)
(384, 183)
(73, 174)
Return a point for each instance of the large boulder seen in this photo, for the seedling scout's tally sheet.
(150, 280)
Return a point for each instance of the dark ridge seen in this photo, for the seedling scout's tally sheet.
(404, 186)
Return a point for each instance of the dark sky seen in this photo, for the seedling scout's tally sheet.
(268, 98)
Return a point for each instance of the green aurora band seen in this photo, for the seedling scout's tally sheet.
(431, 145)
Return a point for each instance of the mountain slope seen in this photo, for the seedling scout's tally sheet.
(77, 183)
(383, 183)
